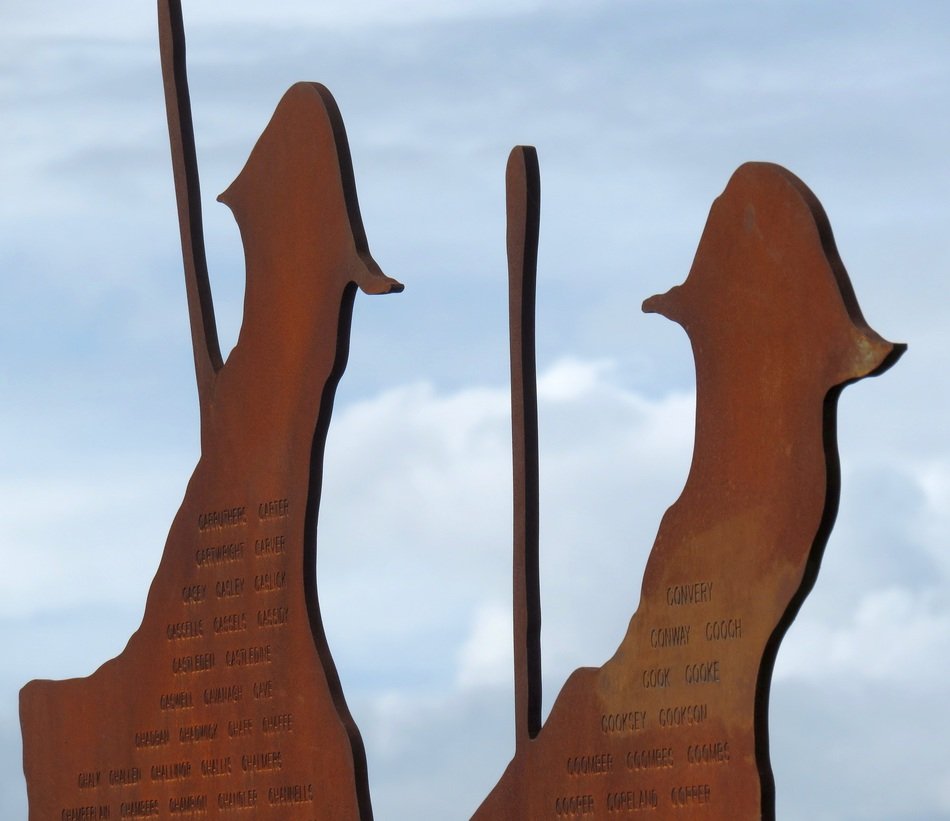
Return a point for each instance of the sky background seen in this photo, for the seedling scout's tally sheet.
(640, 112)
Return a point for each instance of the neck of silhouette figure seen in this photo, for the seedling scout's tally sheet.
(759, 439)
(288, 349)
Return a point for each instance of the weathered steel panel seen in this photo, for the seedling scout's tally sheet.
(676, 723)
(226, 698)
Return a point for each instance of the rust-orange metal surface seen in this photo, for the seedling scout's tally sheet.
(226, 698)
(675, 724)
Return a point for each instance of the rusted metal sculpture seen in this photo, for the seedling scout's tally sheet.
(676, 722)
(226, 698)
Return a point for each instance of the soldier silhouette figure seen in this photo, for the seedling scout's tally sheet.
(228, 683)
(676, 722)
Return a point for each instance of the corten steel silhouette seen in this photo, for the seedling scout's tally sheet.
(226, 697)
(676, 723)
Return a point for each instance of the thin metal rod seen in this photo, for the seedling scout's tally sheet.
(204, 333)
(523, 191)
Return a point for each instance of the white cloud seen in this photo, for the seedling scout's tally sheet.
(894, 636)
(417, 508)
(485, 658)
(93, 537)
(571, 379)
(932, 523)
